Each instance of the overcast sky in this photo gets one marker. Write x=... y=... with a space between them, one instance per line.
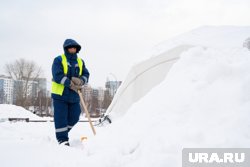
x=114 y=34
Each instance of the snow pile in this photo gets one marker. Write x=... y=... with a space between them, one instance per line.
x=149 y=73
x=203 y=102
x=12 y=111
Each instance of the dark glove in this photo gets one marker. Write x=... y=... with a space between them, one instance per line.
x=77 y=81
x=75 y=87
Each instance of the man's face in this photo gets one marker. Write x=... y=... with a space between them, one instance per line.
x=72 y=50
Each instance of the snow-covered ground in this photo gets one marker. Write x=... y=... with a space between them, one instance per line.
x=203 y=102
x=12 y=111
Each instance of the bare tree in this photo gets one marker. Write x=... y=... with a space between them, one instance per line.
x=22 y=71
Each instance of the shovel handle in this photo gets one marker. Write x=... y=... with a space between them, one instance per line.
x=86 y=112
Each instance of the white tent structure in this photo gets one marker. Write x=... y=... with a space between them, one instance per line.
x=142 y=78
x=149 y=73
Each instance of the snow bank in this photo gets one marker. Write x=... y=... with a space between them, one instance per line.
x=12 y=111
x=203 y=102
x=150 y=73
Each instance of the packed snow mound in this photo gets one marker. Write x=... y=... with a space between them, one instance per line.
x=203 y=102
x=12 y=111
x=149 y=73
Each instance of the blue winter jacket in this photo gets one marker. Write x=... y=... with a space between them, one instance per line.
x=73 y=71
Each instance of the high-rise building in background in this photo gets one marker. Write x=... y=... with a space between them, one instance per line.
x=9 y=88
x=42 y=85
x=112 y=86
x=32 y=89
x=87 y=92
x=100 y=94
x=95 y=93
x=98 y=99
x=6 y=89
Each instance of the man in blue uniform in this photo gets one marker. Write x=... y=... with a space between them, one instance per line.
x=69 y=75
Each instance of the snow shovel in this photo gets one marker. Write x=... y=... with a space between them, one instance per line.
x=87 y=114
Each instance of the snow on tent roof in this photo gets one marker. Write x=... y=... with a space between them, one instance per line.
x=150 y=73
